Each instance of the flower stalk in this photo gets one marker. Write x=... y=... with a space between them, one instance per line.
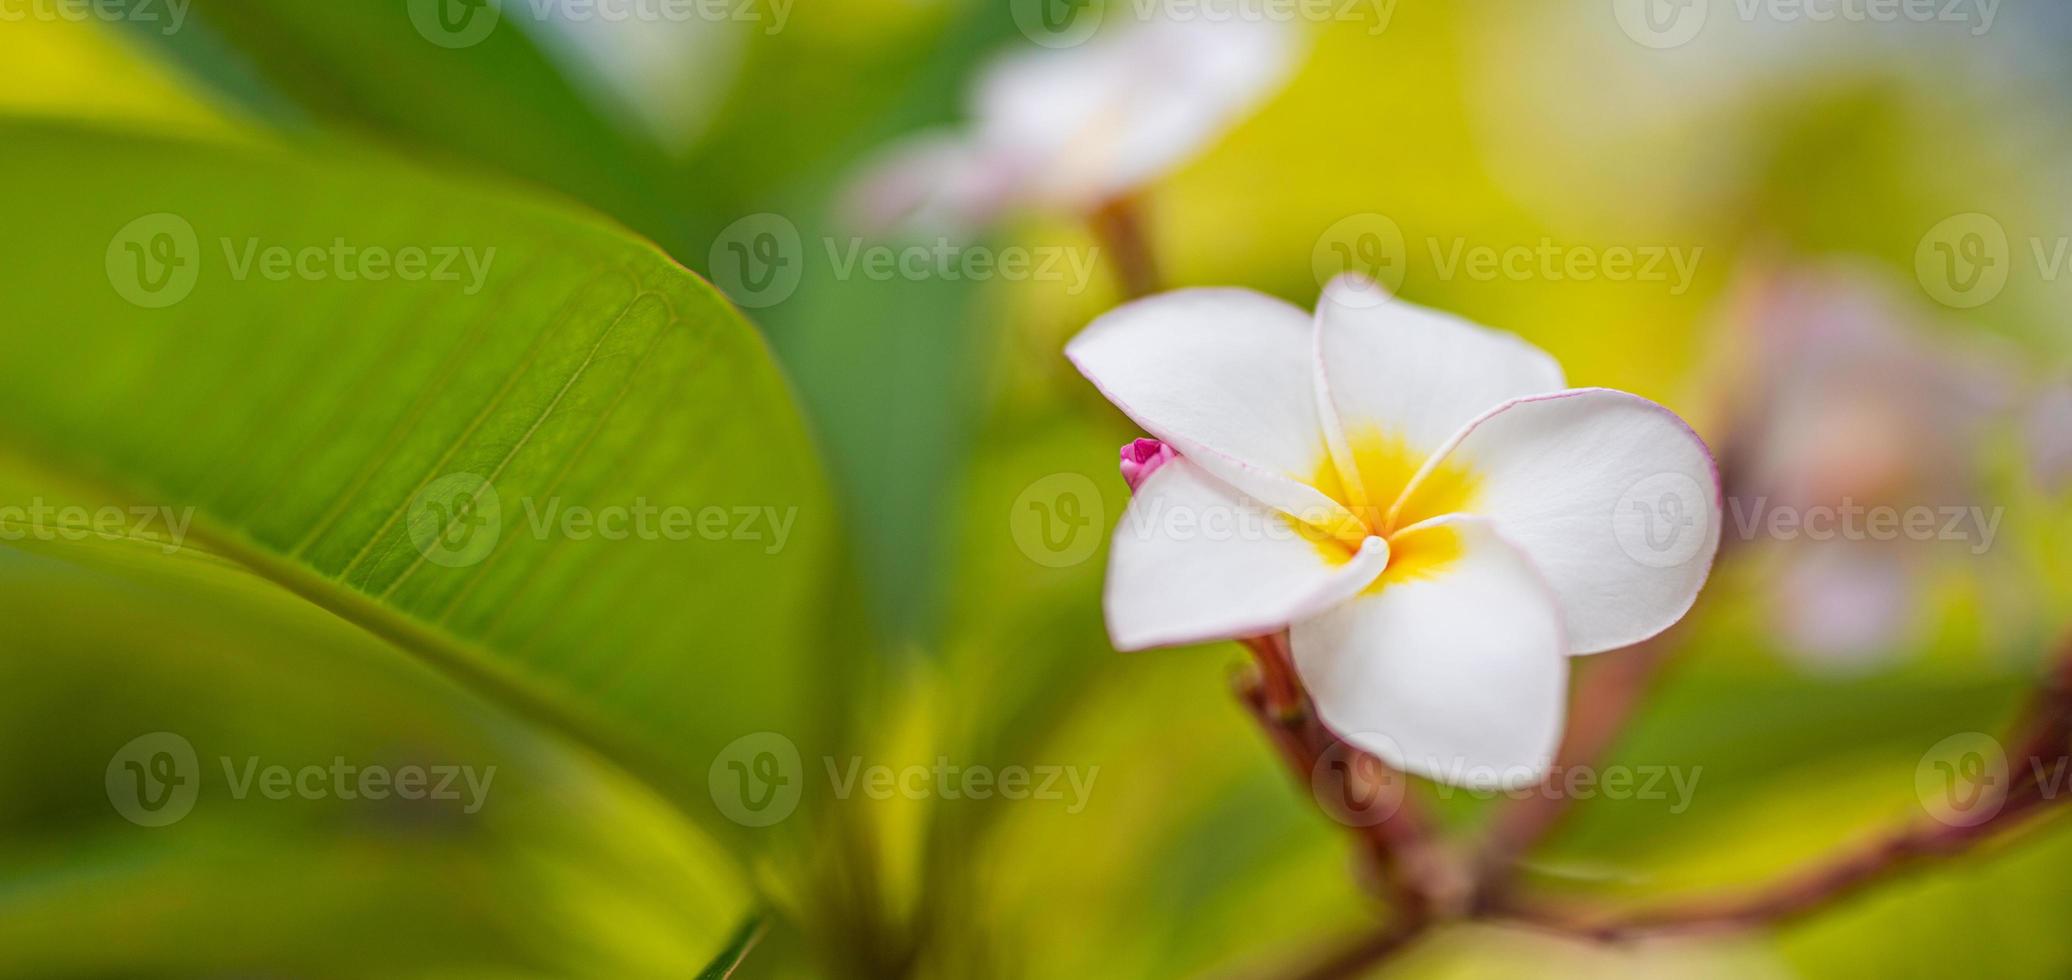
x=1119 y=226
x=2042 y=740
x=1402 y=855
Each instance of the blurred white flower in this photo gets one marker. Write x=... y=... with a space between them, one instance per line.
x=1075 y=128
x=666 y=78
x=1417 y=499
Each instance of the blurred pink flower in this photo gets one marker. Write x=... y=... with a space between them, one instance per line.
x=1850 y=399
x=2050 y=438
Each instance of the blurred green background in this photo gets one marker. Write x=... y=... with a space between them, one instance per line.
x=1803 y=166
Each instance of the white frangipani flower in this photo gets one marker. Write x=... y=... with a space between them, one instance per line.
x=1075 y=128
x=1416 y=499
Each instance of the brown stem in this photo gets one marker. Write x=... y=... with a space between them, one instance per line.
x=2044 y=742
x=1119 y=225
x=1800 y=894
x=2043 y=750
x=1420 y=880
x=1280 y=690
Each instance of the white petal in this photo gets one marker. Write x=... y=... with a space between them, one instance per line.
x=1087 y=124
x=1457 y=674
x=1222 y=375
x=1613 y=498
x=1049 y=116
x=932 y=183
x=1415 y=374
x=1194 y=560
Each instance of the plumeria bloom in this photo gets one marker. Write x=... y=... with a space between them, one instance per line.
x=1073 y=129
x=1433 y=516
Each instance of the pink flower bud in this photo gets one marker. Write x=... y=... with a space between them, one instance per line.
x=1141 y=458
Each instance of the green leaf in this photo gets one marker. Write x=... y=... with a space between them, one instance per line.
x=531 y=861
x=345 y=432
x=738 y=946
x=472 y=88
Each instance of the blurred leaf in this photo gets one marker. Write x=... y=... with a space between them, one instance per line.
x=459 y=80
x=535 y=861
x=328 y=423
x=738 y=945
x=884 y=364
x=882 y=369
x=82 y=71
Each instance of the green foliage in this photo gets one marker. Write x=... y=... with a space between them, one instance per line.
x=313 y=419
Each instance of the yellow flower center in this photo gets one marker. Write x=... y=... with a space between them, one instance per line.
x=1383 y=467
